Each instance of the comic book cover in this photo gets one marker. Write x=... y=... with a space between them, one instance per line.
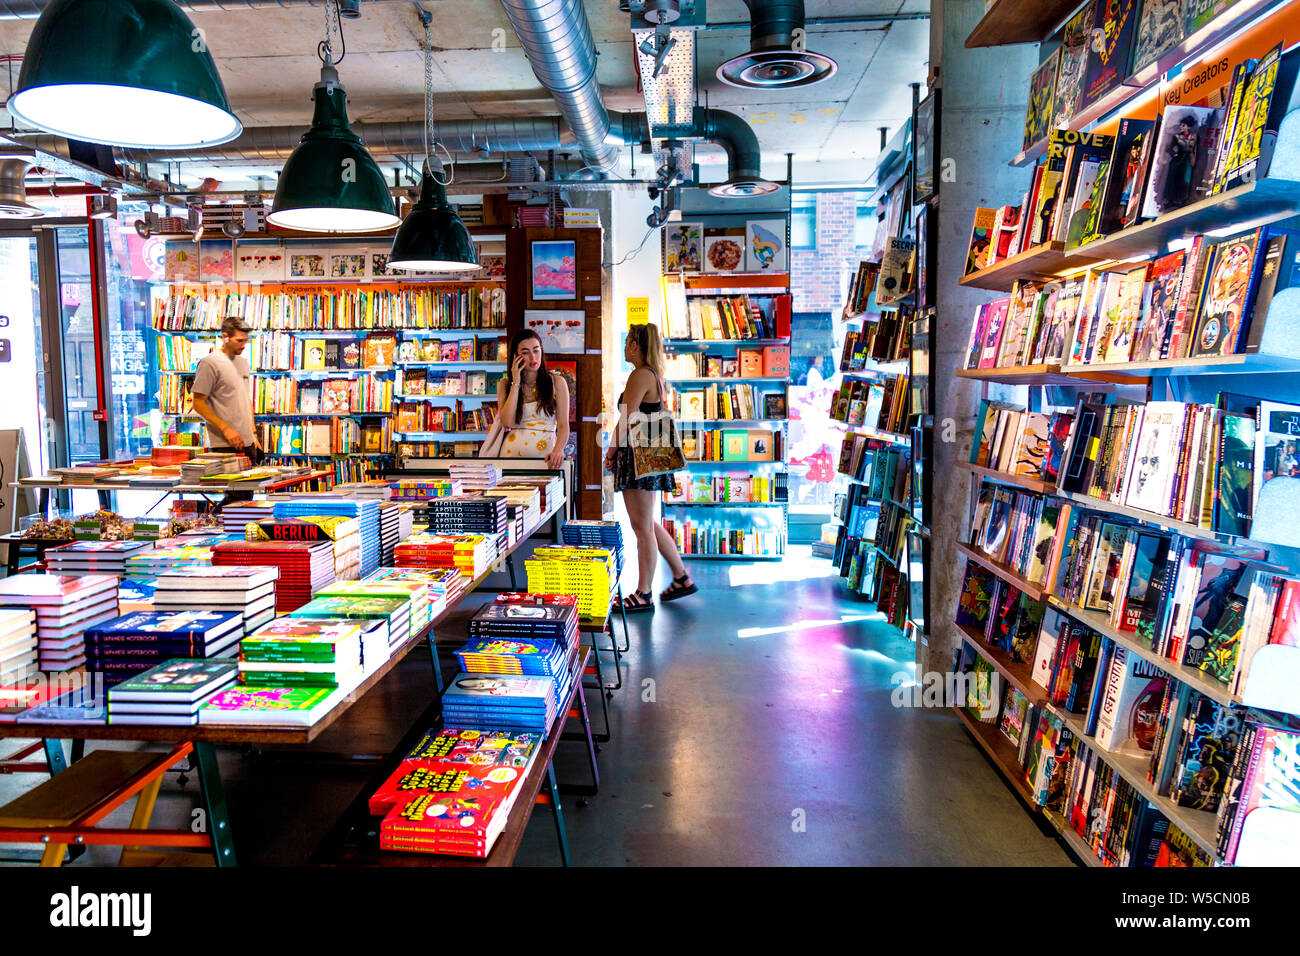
x=1159 y=30
x=1184 y=155
x=1164 y=280
x=1252 y=117
x=1211 y=734
x=976 y=595
x=1225 y=297
x=1042 y=90
x=1108 y=60
x=1073 y=65
x=1218 y=580
x=1233 y=508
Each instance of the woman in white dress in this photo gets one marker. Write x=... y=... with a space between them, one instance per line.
x=532 y=404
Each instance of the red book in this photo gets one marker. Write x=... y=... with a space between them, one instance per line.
x=776 y=361
x=783 y=302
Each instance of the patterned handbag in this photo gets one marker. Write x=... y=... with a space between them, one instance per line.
x=655 y=444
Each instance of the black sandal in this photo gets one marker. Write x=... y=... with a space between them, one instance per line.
x=637 y=601
x=679 y=588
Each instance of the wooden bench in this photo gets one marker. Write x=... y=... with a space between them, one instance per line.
x=66 y=808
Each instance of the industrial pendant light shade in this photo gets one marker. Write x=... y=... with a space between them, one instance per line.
x=432 y=238
x=123 y=73
x=330 y=183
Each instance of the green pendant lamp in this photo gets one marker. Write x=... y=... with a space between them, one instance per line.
x=432 y=238
x=330 y=183
x=131 y=73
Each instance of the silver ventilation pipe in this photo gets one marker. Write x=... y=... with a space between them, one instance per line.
x=556 y=38
x=32 y=9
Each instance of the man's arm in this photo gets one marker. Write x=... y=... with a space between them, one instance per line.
x=203 y=409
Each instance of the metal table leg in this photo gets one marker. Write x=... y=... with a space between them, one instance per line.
x=600 y=687
x=437 y=662
x=583 y=791
x=214 y=802
x=553 y=797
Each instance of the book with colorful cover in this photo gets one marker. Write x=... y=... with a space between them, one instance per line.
x=31 y=590
x=1075 y=45
x=1165 y=282
x=1276 y=446
x=302 y=639
x=1264 y=824
x=1224 y=309
x=1108 y=59
x=191 y=625
x=1159 y=30
x=1014 y=711
x=1252 y=118
x=1042 y=90
x=1211 y=735
x=180 y=680
x=980 y=246
x=250 y=704
x=973 y=604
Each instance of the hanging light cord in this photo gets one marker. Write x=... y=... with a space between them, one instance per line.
x=428 y=110
x=333 y=24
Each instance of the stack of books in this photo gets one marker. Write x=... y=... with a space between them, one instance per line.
x=394 y=611
x=468 y=514
x=136 y=594
x=65 y=606
x=270 y=706
x=365 y=511
x=305 y=567
x=125 y=646
x=588 y=573
x=235 y=517
x=500 y=702
x=93 y=557
x=344 y=532
x=475 y=476
x=417 y=592
x=169 y=694
x=549 y=487
x=589 y=533
x=150 y=564
x=17 y=646
x=530 y=635
x=396 y=522
x=248 y=591
x=294 y=652
x=443 y=585
x=423 y=489
x=378 y=489
x=211 y=463
x=523 y=506
x=454 y=791
x=471 y=554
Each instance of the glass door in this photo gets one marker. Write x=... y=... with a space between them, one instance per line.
x=22 y=363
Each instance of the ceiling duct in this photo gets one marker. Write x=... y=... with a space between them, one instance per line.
x=557 y=41
x=666 y=60
x=777 y=58
x=13 y=192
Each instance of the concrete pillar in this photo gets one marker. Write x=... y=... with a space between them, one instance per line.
x=981 y=121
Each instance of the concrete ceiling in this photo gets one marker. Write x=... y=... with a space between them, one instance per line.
x=268 y=62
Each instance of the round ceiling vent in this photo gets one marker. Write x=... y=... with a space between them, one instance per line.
x=743 y=186
x=777 y=69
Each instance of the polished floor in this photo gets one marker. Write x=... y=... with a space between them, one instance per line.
x=755 y=727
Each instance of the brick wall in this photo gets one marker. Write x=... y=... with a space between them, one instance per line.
x=817 y=276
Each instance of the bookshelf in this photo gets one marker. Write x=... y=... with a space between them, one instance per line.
x=1199 y=663
x=372 y=335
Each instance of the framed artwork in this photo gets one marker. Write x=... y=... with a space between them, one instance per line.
x=181 y=262
x=217 y=260
x=724 y=253
x=683 y=247
x=570 y=372
x=347 y=262
x=925 y=147
x=561 y=330
x=765 y=248
x=259 y=262
x=554 y=270
x=308 y=263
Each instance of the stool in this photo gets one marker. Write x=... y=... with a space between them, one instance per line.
x=65 y=808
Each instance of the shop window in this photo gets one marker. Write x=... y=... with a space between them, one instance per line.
x=803 y=221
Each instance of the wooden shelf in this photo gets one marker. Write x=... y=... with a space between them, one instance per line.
x=1002 y=477
x=1033 y=591
x=1046 y=375
x=1019 y=673
x=1266 y=200
x=1188 y=675
x=999 y=750
x=1019 y=21
x=1038 y=262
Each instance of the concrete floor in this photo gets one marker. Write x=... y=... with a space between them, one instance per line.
x=755 y=727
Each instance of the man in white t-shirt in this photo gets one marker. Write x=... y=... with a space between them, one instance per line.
x=223 y=393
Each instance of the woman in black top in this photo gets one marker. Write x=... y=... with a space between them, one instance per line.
x=645 y=391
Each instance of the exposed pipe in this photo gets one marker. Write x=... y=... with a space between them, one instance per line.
x=557 y=40
x=31 y=9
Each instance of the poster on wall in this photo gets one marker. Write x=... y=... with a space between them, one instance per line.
x=377 y=267
x=724 y=251
x=765 y=249
x=259 y=262
x=217 y=260
x=683 y=250
x=554 y=270
x=308 y=263
x=923 y=145
x=347 y=262
x=570 y=372
x=182 y=262
x=561 y=330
